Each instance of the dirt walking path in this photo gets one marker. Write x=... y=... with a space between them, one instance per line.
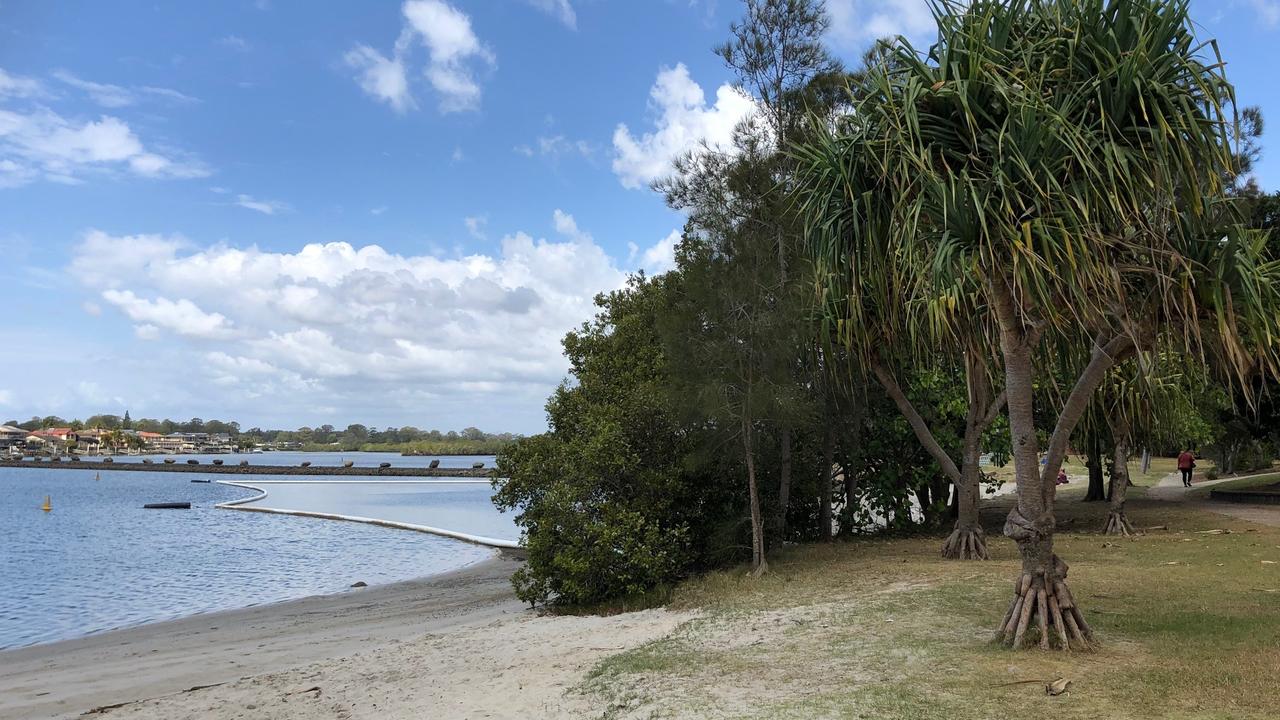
x=1170 y=489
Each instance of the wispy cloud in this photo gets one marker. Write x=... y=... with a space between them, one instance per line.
x=266 y=207
x=40 y=144
x=18 y=86
x=235 y=42
x=116 y=96
x=1268 y=11
x=559 y=9
x=455 y=55
x=476 y=225
x=555 y=147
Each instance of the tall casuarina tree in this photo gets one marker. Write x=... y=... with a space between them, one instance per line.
x=1066 y=161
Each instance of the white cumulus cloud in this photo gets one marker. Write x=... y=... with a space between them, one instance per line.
x=342 y=325
x=661 y=256
x=683 y=120
x=180 y=316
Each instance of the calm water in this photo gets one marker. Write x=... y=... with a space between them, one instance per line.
x=99 y=561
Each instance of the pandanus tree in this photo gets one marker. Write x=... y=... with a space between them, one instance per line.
x=877 y=310
x=1138 y=404
x=1066 y=161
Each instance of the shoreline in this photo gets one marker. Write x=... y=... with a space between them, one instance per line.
x=482 y=473
x=67 y=678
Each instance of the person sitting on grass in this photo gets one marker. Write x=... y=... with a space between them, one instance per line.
x=1186 y=464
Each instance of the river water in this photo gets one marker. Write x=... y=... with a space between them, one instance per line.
x=99 y=561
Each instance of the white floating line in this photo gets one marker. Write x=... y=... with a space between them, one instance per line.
x=368 y=482
x=466 y=537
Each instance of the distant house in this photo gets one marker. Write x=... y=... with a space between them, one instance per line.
x=12 y=437
x=57 y=439
x=174 y=443
x=89 y=442
x=58 y=435
x=150 y=440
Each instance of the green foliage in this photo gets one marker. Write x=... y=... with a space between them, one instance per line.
x=440 y=447
x=611 y=501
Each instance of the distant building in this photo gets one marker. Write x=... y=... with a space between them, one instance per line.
x=188 y=443
x=12 y=437
x=148 y=439
x=89 y=442
x=56 y=439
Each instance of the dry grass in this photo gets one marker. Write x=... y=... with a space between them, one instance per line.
x=878 y=628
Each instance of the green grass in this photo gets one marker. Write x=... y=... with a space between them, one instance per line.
x=879 y=628
x=1245 y=483
x=1074 y=465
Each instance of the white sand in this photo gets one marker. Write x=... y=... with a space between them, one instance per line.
x=454 y=646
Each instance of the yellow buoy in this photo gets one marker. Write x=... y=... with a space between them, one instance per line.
x=47 y=506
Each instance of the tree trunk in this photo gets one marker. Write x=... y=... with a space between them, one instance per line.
x=1041 y=593
x=967 y=540
x=922 y=499
x=825 y=475
x=850 y=497
x=1117 y=522
x=784 y=482
x=1093 y=461
x=759 y=565
x=847 y=459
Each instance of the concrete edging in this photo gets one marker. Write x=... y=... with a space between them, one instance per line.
x=465 y=537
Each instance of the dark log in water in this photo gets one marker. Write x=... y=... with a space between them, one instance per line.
x=167 y=506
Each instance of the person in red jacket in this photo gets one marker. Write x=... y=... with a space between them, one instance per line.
x=1186 y=463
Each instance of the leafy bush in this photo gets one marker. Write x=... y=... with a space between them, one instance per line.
x=611 y=503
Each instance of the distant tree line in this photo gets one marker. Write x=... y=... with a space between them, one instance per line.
x=468 y=441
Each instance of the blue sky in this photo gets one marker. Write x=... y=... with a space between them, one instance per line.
x=294 y=213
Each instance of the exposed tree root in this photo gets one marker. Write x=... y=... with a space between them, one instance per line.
x=1118 y=524
x=966 y=543
x=1043 y=602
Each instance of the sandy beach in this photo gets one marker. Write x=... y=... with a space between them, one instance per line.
x=456 y=645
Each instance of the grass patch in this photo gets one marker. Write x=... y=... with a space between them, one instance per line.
x=885 y=628
x=1075 y=469
x=1245 y=483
